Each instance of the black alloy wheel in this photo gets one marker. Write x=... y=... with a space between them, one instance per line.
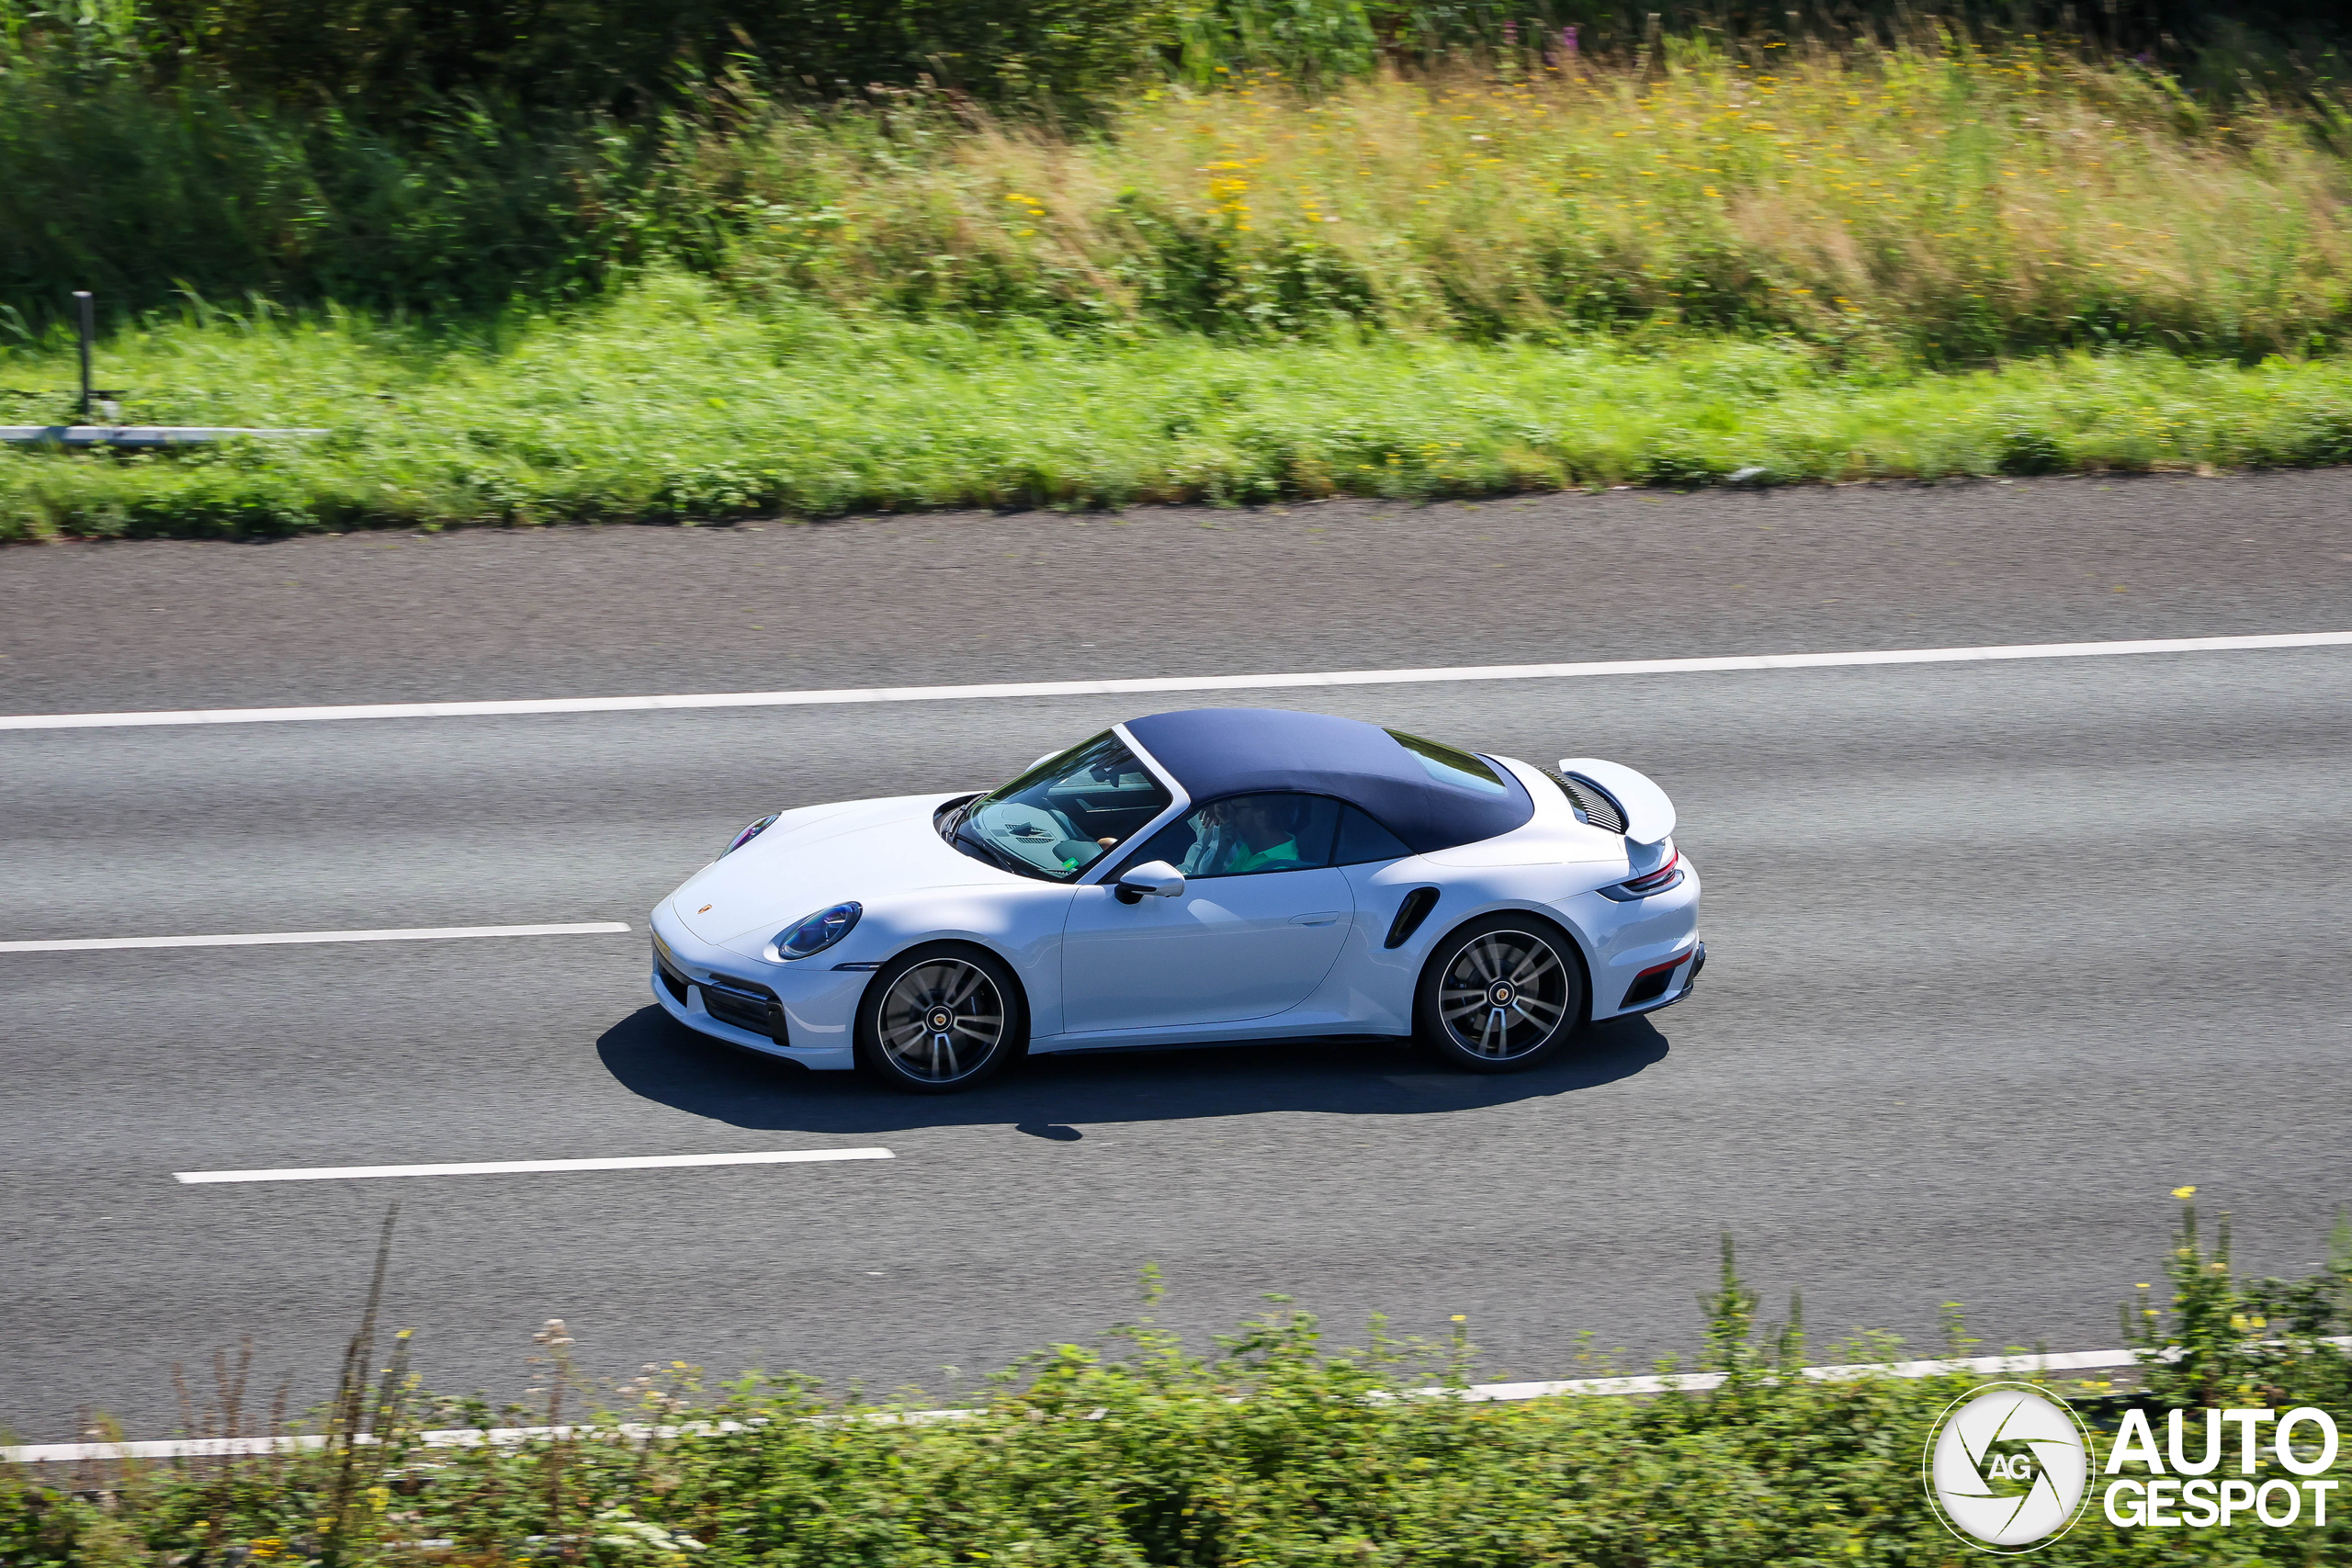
x=940 y=1019
x=1501 y=993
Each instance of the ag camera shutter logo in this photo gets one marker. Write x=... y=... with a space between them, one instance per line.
x=2008 y=1468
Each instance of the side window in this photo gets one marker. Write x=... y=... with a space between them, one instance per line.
x=1245 y=835
x=1362 y=840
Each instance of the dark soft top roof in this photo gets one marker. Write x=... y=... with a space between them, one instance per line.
x=1221 y=752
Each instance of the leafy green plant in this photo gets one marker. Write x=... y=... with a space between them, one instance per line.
x=2222 y=1340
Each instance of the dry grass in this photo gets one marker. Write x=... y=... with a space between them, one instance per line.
x=1950 y=204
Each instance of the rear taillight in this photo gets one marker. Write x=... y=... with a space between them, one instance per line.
x=1649 y=882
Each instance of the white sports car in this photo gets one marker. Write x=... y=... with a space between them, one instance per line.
x=1217 y=874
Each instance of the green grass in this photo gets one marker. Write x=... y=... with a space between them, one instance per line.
x=673 y=401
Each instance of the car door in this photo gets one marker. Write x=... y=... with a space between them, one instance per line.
x=1258 y=925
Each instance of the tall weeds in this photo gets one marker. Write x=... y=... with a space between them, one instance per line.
x=1937 y=203
x=1944 y=205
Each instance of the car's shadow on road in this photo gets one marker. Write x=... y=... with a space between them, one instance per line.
x=1057 y=1097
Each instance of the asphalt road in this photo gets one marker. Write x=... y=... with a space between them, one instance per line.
x=2000 y=952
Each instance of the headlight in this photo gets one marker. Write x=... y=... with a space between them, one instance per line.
x=818 y=931
x=748 y=834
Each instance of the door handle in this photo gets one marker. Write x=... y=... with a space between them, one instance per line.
x=1314 y=919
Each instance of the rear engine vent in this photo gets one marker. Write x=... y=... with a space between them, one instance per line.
x=1592 y=803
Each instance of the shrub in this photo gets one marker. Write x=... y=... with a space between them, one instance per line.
x=1274 y=1450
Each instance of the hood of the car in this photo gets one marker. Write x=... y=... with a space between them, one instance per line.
x=822 y=855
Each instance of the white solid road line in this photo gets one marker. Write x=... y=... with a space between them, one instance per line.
x=515 y=1436
x=517 y=1167
x=1181 y=682
x=267 y=938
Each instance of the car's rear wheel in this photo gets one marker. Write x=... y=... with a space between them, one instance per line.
x=1502 y=993
x=940 y=1019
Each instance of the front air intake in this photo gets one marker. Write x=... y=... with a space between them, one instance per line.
x=746 y=1004
x=1592 y=803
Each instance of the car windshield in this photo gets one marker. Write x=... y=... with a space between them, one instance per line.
x=1064 y=814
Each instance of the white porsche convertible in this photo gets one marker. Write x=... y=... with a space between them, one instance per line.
x=1215 y=874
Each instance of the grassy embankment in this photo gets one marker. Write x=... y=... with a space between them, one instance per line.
x=1277 y=1451
x=1894 y=263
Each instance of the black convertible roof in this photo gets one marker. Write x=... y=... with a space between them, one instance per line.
x=1221 y=752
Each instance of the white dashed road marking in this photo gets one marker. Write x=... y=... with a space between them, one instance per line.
x=521 y=1167
x=269 y=939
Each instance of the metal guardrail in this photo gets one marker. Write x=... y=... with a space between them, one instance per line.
x=100 y=399
x=79 y=436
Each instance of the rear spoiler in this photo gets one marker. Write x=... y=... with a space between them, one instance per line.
x=1649 y=815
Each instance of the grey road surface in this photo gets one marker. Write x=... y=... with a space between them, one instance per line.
x=2001 y=953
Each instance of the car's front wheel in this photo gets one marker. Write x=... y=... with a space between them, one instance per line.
x=940 y=1019
x=1501 y=993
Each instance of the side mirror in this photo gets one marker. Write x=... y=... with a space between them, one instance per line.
x=1155 y=878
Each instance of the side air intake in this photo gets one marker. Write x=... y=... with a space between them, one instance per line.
x=1409 y=916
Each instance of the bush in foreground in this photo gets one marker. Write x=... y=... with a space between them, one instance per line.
x=1273 y=1452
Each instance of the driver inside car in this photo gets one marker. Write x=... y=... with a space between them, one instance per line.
x=1234 y=838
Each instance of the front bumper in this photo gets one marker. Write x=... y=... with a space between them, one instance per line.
x=794 y=1012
